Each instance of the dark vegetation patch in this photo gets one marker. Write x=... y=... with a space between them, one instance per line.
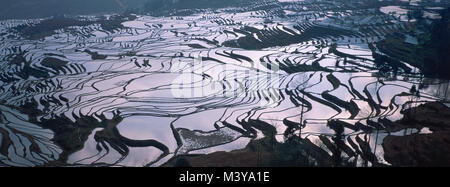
x=95 y=55
x=196 y=46
x=5 y=141
x=276 y=37
x=115 y=22
x=17 y=59
x=187 y=7
x=25 y=70
x=52 y=62
x=430 y=55
x=386 y=63
x=333 y=49
x=48 y=27
x=25 y=9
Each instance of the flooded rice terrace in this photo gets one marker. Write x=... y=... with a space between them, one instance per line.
x=155 y=87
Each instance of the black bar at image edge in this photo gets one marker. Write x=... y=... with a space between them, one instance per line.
x=213 y=176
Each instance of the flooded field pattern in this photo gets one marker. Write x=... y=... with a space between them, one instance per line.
x=215 y=80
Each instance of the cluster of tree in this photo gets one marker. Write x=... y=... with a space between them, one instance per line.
x=155 y=5
x=430 y=55
x=49 y=26
x=440 y=43
x=22 y=9
x=415 y=14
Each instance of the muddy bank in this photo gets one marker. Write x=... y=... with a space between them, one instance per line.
x=418 y=149
x=265 y=152
x=432 y=149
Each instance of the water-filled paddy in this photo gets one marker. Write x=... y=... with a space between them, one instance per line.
x=209 y=82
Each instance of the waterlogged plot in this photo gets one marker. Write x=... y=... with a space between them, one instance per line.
x=24 y=143
x=151 y=88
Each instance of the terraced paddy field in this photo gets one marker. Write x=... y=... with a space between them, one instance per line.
x=271 y=83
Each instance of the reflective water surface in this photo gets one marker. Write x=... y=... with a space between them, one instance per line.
x=198 y=84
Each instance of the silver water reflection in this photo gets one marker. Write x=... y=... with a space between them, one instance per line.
x=172 y=81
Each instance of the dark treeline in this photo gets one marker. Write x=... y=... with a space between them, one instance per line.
x=430 y=55
x=440 y=40
x=21 y=9
x=155 y=5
